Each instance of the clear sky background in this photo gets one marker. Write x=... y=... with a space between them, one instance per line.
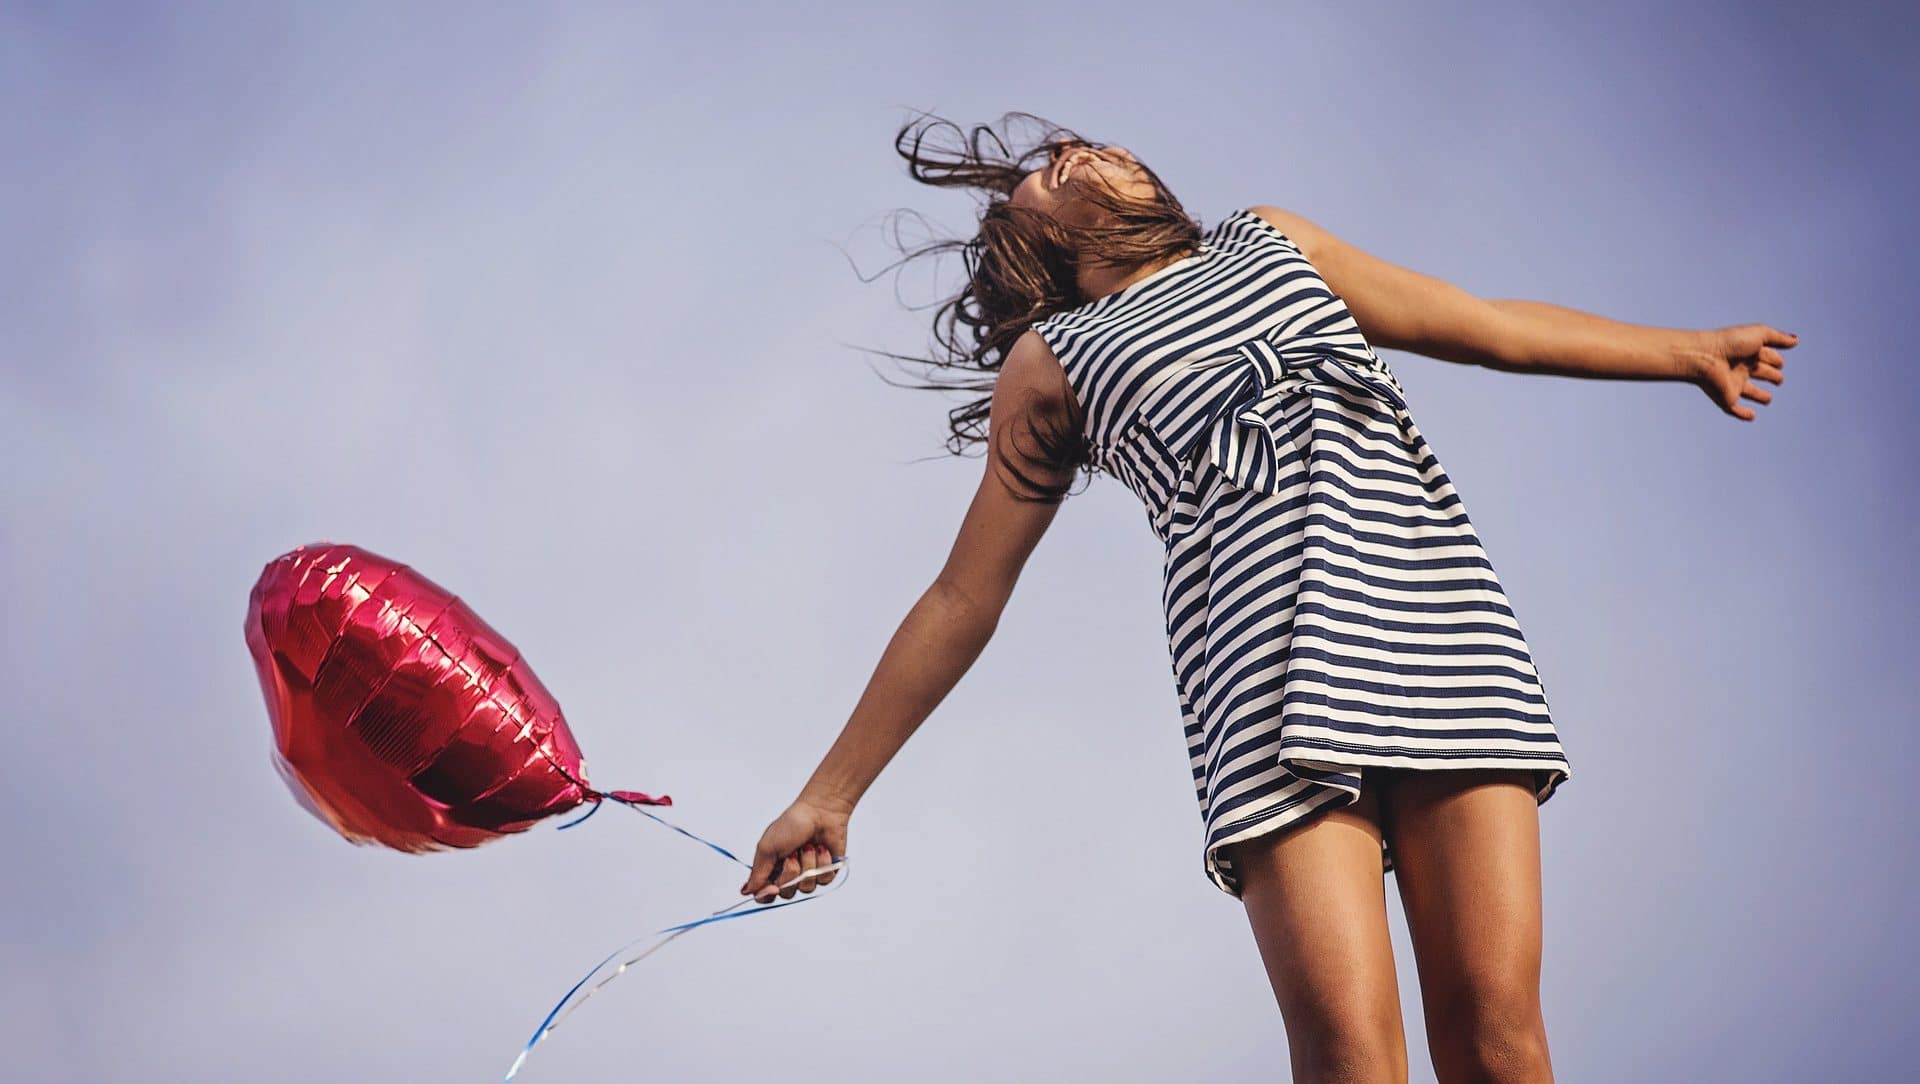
x=563 y=309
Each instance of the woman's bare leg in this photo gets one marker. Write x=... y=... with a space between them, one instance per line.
x=1466 y=854
x=1316 y=899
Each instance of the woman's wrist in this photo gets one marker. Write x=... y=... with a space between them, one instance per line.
x=1690 y=355
x=827 y=795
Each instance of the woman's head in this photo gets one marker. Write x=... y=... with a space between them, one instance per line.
x=1055 y=205
x=1057 y=186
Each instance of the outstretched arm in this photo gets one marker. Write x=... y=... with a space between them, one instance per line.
x=942 y=634
x=953 y=621
x=1403 y=309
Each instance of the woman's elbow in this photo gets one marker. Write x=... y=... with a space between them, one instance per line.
x=974 y=605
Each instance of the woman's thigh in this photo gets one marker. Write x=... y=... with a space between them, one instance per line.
x=1466 y=856
x=1316 y=898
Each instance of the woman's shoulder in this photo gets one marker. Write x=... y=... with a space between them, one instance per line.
x=1058 y=329
x=1032 y=378
x=1031 y=362
x=1295 y=229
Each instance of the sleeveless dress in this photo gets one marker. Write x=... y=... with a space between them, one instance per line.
x=1328 y=605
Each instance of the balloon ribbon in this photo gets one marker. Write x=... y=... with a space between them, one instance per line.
x=625 y=954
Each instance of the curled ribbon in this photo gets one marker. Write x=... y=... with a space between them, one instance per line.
x=627 y=954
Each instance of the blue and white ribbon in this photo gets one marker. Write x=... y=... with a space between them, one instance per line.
x=632 y=952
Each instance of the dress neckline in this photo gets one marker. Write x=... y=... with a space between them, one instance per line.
x=1203 y=248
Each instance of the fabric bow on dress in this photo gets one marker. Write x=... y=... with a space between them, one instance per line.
x=1249 y=413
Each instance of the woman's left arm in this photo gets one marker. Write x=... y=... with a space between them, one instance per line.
x=1401 y=309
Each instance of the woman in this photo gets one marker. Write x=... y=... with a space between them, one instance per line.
x=1356 y=693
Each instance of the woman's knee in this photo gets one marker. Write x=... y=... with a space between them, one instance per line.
x=1491 y=1032
x=1338 y=1039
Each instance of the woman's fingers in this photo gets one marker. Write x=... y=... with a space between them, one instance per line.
x=763 y=890
x=1766 y=365
x=802 y=862
x=768 y=872
x=785 y=876
x=804 y=838
x=772 y=873
x=788 y=873
x=775 y=879
x=762 y=869
x=1749 y=354
x=811 y=860
x=823 y=857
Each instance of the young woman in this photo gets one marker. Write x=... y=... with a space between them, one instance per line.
x=1356 y=693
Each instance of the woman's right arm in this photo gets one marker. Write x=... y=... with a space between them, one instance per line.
x=942 y=634
x=1402 y=309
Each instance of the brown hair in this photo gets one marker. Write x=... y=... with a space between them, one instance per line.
x=1021 y=268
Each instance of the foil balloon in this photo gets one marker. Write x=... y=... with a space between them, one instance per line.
x=399 y=716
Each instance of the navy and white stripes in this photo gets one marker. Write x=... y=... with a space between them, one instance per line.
x=1328 y=604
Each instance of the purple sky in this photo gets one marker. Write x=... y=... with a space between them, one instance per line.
x=555 y=308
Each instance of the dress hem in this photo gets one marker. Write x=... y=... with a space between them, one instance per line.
x=1291 y=806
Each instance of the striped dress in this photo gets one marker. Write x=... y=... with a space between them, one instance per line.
x=1328 y=605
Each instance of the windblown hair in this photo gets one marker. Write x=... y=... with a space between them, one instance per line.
x=1021 y=268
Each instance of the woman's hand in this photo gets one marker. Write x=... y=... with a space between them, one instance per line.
x=1725 y=363
x=808 y=835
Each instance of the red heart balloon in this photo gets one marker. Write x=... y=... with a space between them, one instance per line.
x=399 y=716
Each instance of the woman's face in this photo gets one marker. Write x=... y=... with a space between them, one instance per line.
x=1052 y=187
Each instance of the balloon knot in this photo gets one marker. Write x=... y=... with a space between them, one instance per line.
x=634 y=797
